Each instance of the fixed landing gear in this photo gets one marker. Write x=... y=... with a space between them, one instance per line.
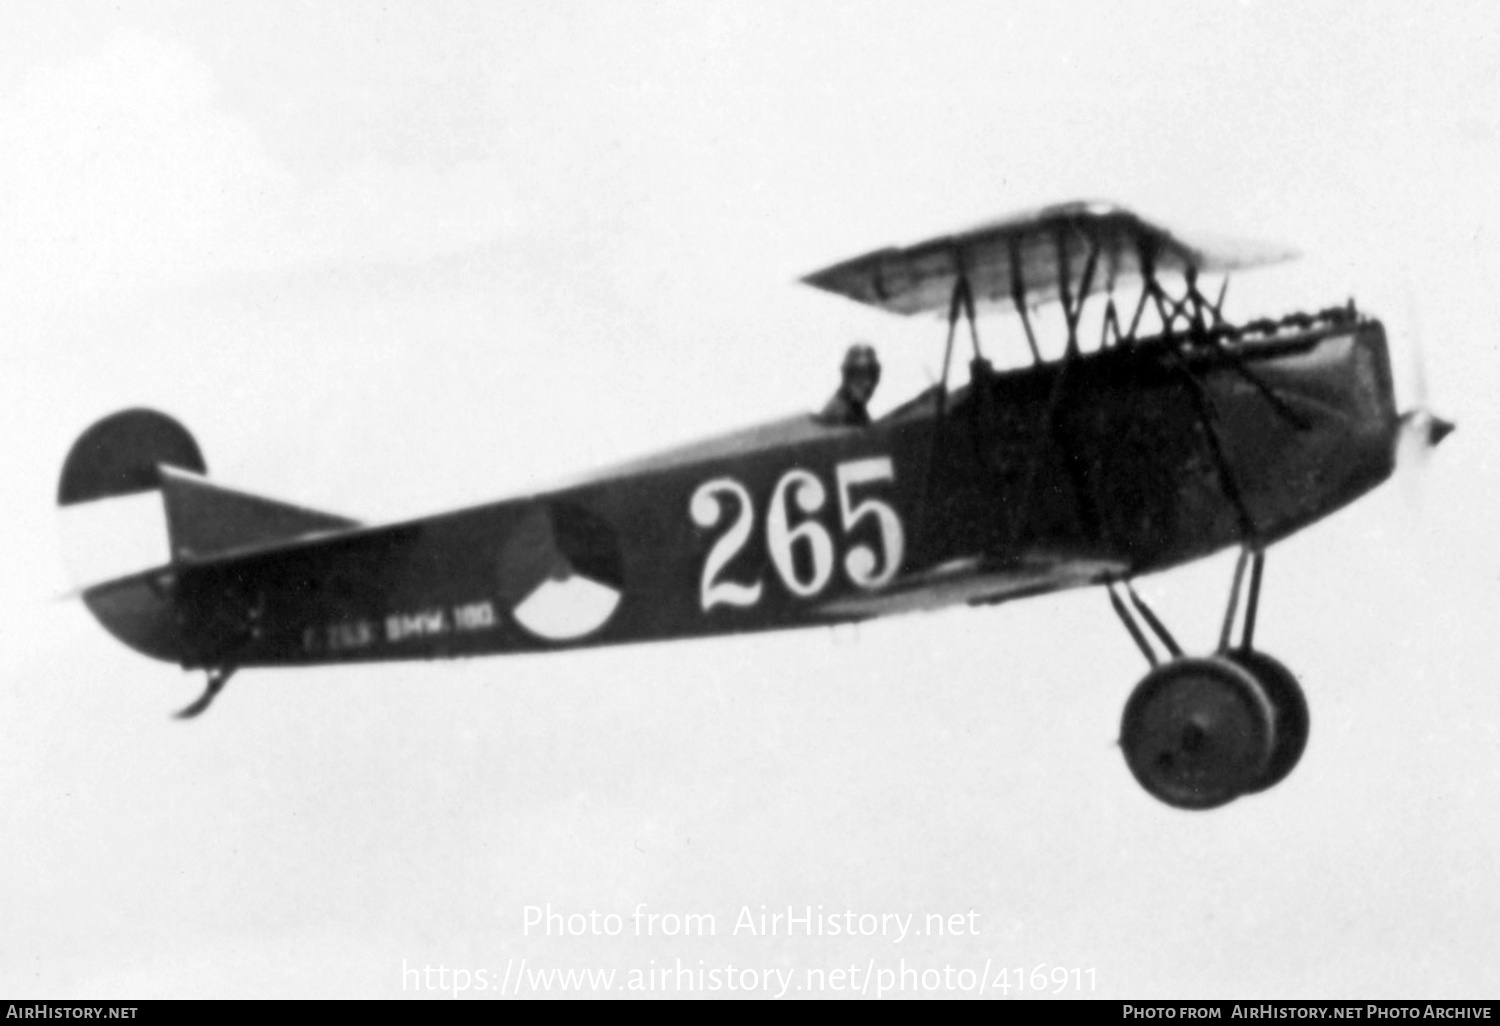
x=1199 y=732
x=1289 y=714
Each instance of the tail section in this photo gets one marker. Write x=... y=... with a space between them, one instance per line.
x=136 y=506
x=205 y=519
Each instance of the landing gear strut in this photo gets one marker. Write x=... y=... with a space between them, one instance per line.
x=1199 y=732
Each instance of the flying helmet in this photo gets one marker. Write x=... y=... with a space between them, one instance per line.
x=861 y=357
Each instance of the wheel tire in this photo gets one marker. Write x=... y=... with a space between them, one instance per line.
x=1289 y=711
x=1198 y=733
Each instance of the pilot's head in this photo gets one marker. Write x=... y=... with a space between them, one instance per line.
x=861 y=373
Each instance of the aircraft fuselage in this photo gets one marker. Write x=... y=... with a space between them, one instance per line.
x=1139 y=459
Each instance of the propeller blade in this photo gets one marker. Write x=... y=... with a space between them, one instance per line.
x=1437 y=430
x=1420 y=429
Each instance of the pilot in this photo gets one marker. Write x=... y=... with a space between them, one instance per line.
x=861 y=375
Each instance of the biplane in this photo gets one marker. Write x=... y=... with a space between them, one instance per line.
x=1159 y=434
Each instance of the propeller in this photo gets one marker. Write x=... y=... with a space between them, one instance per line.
x=1419 y=429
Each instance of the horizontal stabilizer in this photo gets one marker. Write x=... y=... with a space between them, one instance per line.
x=205 y=519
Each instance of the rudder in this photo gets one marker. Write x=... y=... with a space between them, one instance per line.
x=113 y=519
x=121 y=454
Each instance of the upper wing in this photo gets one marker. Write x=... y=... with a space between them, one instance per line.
x=1041 y=251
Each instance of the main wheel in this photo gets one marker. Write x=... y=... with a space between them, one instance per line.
x=1288 y=709
x=1198 y=733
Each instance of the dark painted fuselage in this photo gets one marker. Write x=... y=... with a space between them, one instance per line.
x=1140 y=458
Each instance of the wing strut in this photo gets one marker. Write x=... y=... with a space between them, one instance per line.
x=1072 y=312
x=961 y=302
x=1018 y=297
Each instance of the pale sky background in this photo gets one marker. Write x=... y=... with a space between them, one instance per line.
x=389 y=259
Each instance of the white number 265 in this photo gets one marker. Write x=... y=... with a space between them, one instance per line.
x=803 y=489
